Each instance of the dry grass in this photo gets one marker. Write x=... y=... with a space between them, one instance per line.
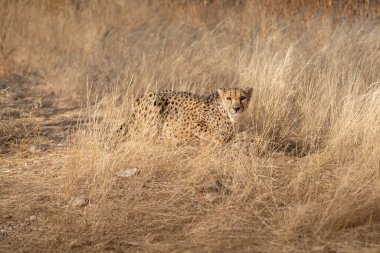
x=303 y=175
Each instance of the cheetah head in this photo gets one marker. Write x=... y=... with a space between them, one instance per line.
x=235 y=100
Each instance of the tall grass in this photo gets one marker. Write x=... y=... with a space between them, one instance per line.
x=303 y=172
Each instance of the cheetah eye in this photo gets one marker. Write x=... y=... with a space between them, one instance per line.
x=228 y=98
x=242 y=98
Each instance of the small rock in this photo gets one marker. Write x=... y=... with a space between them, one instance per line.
x=3 y=232
x=212 y=196
x=127 y=172
x=43 y=198
x=317 y=249
x=323 y=249
x=78 y=202
x=37 y=148
x=328 y=249
x=33 y=218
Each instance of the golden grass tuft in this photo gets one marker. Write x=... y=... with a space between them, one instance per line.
x=303 y=175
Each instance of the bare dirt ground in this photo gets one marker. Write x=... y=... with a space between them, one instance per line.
x=35 y=111
x=35 y=125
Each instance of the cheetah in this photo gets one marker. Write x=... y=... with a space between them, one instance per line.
x=186 y=117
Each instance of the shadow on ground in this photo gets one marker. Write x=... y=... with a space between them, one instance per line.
x=30 y=110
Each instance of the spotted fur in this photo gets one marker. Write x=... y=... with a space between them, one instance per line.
x=184 y=116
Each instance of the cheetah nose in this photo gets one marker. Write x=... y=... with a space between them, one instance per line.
x=237 y=108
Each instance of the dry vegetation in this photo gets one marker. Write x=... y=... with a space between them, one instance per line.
x=303 y=175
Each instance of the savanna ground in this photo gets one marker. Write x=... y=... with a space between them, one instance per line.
x=303 y=174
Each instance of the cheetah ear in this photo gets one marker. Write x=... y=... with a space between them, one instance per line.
x=249 y=91
x=221 y=92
